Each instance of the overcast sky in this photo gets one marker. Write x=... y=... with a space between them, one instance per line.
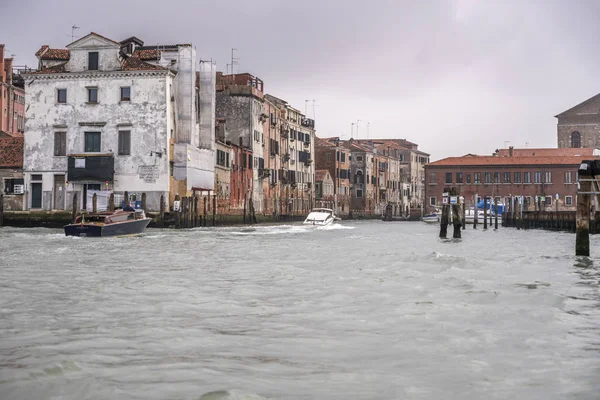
x=456 y=76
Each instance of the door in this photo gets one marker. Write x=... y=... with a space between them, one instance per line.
x=59 y=192
x=36 y=195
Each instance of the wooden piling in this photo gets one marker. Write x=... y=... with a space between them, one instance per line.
x=475 y=219
x=177 y=213
x=582 y=238
x=214 y=209
x=456 y=215
x=496 y=214
x=144 y=201
x=1 y=209
x=195 y=211
x=444 y=219
x=463 y=209
x=111 y=202
x=484 y=212
x=162 y=210
x=204 y=215
x=125 y=199
x=74 y=212
x=94 y=203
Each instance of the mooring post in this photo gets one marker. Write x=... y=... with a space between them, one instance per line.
x=475 y=212
x=456 y=214
x=1 y=208
x=496 y=214
x=125 y=199
x=177 y=211
x=214 y=209
x=462 y=208
x=74 y=212
x=582 y=238
x=94 y=203
x=484 y=212
x=204 y=216
x=111 y=202
x=445 y=211
x=144 y=201
x=162 y=210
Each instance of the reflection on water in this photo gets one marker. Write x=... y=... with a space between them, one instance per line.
x=361 y=310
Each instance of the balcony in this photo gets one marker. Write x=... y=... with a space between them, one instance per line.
x=91 y=167
x=264 y=173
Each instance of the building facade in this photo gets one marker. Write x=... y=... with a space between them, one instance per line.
x=332 y=156
x=12 y=184
x=106 y=117
x=579 y=126
x=547 y=182
x=324 y=189
x=12 y=99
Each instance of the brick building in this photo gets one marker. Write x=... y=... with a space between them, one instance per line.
x=579 y=126
x=548 y=174
x=12 y=99
x=333 y=157
x=324 y=191
x=11 y=172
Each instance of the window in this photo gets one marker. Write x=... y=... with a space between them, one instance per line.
x=93 y=60
x=548 y=177
x=537 y=177
x=477 y=178
x=507 y=177
x=328 y=156
x=92 y=95
x=568 y=177
x=126 y=93
x=448 y=177
x=36 y=177
x=459 y=177
x=487 y=177
x=575 y=140
x=468 y=178
x=14 y=186
x=568 y=200
x=124 y=143
x=517 y=177
x=60 y=143
x=61 y=95
x=343 y=157
x=432 y=177
x=359 y=193
x=432 y=201
x=526 y=177
x=92 y=142
x=359 y=158
x=496 y=177
x=548 y=200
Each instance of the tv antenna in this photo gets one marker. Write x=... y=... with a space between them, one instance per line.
x=352 y=129
x=314 y=116
x=368 y=125
x=73 y=28
x=306 y=108
x=357 y=121
x=506 y=142
x=234 y=60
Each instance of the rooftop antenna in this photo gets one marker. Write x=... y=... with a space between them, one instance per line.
x=506 y=142
x=306 y=108
x=227 y=68
x=526 y=144
x=314 y=117
x=233 y=61
x=368 y=125
x=357 y=121
x=73 y=32
x=352 y=129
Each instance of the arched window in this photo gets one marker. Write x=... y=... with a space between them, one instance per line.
x=358 y=178
x=575 y=140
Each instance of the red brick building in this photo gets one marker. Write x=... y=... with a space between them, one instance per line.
x=12 y=99
x=548 y=174
x=241 y=179
x=332 y=156
x=11 y=172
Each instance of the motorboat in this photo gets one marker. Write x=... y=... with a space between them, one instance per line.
x=320 y=217
x=115 y=223
x=432 y=218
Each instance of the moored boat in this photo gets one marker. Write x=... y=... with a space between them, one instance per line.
x=115 y=223
x=320 y=217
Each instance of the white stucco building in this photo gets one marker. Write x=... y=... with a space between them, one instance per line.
x=118 y=116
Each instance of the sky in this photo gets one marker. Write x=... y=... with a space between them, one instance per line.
x=454 y=76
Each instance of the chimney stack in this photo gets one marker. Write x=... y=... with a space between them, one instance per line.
x=2 y=63
x=8 y=62
x=510 y=151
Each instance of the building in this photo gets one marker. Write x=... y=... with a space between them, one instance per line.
x=272 y=159
x=223 y=163
x=11 y=172
x=547 y=178
x=12 y=99
x=324 y=189
x=241 y=180
x=362 y=170
x=579 y=126
x=106 y=116
x=331 y=155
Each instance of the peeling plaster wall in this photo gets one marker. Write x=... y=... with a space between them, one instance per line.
x=146 y=116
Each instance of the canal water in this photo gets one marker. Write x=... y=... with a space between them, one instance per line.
x=361 y=310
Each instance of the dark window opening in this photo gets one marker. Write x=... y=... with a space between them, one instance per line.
x=125 y=93
x=124 y=143
x=93 y=61
x=61 y=95
x=92 y=142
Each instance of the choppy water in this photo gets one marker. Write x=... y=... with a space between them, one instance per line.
x=359 y=311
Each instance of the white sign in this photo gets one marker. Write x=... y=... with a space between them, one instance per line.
x=149 y=173
x=453 y=200
x=445 y=194
x=18 y=189
x=80 y=163
x=176 y=205
x=444 y=200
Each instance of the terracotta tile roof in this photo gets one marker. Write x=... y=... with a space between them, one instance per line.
x=8 y=135
x=42 y=49
x=135 y=64
x=147 y=54
x=323 y=143
x=11 y=152
x=546 y=152
x=320 y=175
x=46 y=53
x=507 y=161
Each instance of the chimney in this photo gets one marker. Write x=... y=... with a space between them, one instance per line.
x=8 y=62
x=510 y=151
x=2 y=63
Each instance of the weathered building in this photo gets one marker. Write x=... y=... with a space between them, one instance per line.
x=12 y=99
x=324 y=189
x=118 y=116
x=362 y=168
x=271 y=164
x=11 y=172
x=332 y=156
x=550 y=177
x=579 y=126
x=241 y=180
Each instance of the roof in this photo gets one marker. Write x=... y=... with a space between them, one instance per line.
x=321 y=174
x=323 y=143
x=146 y=54
x=95 y=34
x=507 y=161
x=11 y=152
x=46 y=53
x=133 y=39
x=57 y=69
x=590 y=100
x=546 y=152
x=135 y=64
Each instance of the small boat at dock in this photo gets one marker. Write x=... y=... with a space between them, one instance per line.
x=115 y=223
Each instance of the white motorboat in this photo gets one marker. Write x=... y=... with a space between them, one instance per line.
x=432 y=218
x=320 y=217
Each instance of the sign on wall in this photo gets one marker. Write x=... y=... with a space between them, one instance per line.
x=149 y=173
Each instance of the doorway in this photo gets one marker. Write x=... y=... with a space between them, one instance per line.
x=59 y=192
x=36 y=195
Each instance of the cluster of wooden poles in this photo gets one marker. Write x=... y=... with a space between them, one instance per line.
x=455 y=214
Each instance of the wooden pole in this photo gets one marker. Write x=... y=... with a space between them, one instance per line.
x=444 y=219
x=463 y=209
x=484 y=212
x=456 y=220
x=111 y=202
x=214 y=209
x=144 y=201
x=125 y=199
x=75 y=205
x=475 y=219
x=1 y=209
x=94 y=203
x=162 y=209
x=177 y=213
x=582 y=238
x=204 y=216
x=496 y=214
x=195 y=211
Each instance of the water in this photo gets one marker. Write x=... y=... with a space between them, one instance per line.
x=364 y=310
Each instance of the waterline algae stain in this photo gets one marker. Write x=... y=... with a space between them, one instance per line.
x=360 y=310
